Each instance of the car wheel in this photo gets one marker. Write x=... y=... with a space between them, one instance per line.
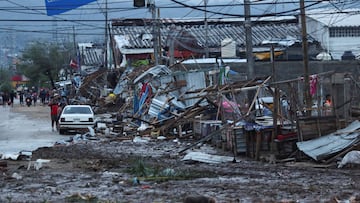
x=61 y=131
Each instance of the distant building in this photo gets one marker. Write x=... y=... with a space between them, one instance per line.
x=19 y=80
x=338 y=31
x=91 y=54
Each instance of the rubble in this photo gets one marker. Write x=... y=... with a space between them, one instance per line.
x=206 y=105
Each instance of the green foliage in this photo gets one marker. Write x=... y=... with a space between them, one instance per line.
x=140 y=169
x=5 y=83
x=140 y=63
x=41 y=61
x=6 y=87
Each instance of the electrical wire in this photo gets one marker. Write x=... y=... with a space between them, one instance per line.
x=241 y=16
x=63 y=19
x=89 y=22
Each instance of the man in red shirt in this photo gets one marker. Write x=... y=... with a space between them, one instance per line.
x=54 y=106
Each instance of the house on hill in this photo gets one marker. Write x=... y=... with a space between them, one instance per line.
x=132 y=39
x=337 y=30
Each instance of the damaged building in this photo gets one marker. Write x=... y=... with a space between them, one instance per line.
x=212 y=100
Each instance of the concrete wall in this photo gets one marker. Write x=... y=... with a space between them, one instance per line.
x=286 y=70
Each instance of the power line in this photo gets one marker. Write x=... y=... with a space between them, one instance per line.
x=44 y=14
x=241 y=16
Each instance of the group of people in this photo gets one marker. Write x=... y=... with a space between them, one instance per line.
x=55 y=99
x=8 y=98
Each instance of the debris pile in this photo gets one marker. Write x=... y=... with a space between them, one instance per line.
x=203 y=104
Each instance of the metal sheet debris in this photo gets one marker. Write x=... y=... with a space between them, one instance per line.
x=328 y=145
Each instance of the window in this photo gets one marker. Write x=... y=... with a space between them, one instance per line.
x=344 y=32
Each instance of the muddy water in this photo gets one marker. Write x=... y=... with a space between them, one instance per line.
x=25 y=128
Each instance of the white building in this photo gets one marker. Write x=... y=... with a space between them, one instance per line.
x=336 y=30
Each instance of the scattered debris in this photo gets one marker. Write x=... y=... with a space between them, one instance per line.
x=38 y=164
x=14 y=156
x=352 y=157
x=198 y=199
x=16 y=176
x=325 y=146
x=207 y=158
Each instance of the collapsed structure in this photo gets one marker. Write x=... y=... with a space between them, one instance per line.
x=212 y=99
x=220 y=106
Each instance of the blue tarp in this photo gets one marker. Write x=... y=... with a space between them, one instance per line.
x=54 y=7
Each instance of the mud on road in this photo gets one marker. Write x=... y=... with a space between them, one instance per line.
x=120 y=170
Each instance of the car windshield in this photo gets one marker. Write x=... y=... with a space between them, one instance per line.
x=77 y=110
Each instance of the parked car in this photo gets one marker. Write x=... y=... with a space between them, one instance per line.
x=76 y=117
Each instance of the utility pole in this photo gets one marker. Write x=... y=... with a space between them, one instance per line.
x=308 y=101
x=248 y=36
x=106 y=35
x=155 y=35
x=158 y=36
x=74 y=38
x=76 y=54
x=206 y=32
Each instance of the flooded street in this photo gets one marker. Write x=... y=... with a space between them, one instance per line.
x=25 y=128
x=113 y=169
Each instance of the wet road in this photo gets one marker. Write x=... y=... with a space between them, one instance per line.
x=25 y=129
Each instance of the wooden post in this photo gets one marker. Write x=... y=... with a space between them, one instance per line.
x=258 y=145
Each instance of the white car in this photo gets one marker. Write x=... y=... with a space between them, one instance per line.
x=76 y=117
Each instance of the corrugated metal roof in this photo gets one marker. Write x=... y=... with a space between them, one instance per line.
x=331 y=144
x=91 y=54
x=335 y=17
x=137 y=32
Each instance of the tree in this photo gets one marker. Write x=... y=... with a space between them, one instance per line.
x=5 y=84
x=41 y=62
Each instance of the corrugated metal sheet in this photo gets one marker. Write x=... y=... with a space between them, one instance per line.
x=138 y=36
x=331 y=144
x=194 y=81
x=91 y=54
x=154 y=72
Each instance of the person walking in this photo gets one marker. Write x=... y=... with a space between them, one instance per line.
x=12 y=97
x=5 y=98
x=54 y=108
x=21 y=98
x=42 y=96
x=34 y=96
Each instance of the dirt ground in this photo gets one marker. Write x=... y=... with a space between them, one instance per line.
x=112 y=169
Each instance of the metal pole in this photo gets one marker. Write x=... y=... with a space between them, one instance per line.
x=106 y=35
x=158 y=34
x=206 y=32
x=248 y=35
x=275 y=100
x=155 y=36
x=305 y=59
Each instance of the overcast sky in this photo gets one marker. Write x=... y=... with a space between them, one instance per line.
x=27 y=19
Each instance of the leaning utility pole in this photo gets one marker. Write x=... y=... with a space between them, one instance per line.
x=106 y=35
x=308 y=101
x=248 y=36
